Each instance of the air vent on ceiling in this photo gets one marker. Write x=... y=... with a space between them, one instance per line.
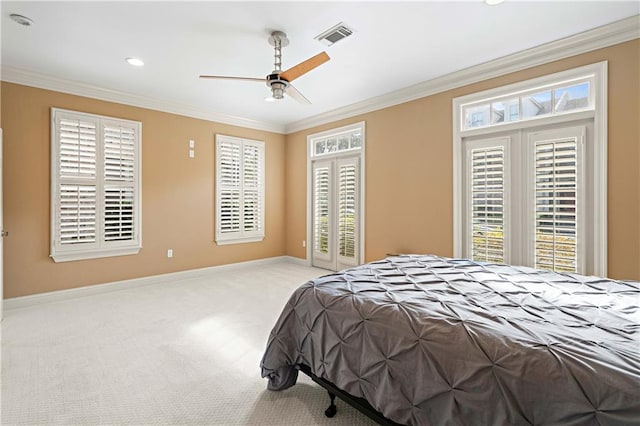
x=334 y=34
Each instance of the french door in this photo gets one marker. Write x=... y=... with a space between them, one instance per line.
x=335 y=213
x=527 y=198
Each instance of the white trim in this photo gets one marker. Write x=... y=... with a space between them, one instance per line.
x=43 y=81
x=600 y=123
x=241 y=235
x=504 y=142
x=526 y=124
x=597 y=38
x=360 y=125
x=583 y=73
x=599 y=164
x=1 y=231
x=296 y=260
x=94 y=254
x=63 y=295
x=226 y=242
x=101 y=247
x=552 y=135
x=338 y=130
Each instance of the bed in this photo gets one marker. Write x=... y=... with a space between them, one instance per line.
x=427 y=340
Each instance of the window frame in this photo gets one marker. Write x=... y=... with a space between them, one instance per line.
x=535 y=138
x=312 y=157
x=100 y=248
x=240 y=236
x=505 y=144
x=597 y=168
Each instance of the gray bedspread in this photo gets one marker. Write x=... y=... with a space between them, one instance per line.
x=436 y=341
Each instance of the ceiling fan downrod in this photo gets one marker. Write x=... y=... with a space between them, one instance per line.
x=278 y=40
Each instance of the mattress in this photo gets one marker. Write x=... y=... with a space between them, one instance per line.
x=428 y=340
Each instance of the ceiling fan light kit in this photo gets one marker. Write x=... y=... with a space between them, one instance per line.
x=278 y=81
x=25 y=21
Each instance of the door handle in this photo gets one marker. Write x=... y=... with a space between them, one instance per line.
x=4 y=233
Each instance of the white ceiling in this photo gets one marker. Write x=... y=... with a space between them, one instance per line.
x=395 y=45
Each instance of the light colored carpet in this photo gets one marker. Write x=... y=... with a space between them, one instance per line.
x=183 y=352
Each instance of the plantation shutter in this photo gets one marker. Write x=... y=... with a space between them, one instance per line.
x=77 y=214
x=252 y=201
x=321 y=208
x=119 y=176
x=229 y=182
x=95 y=186
x=347 y=204
x=76 y=221
x=240 y=190
x=557 y=201
x=487 y=202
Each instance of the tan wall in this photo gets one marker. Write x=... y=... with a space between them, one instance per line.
x=408 y=187
x=177 y=195
x=409 y=183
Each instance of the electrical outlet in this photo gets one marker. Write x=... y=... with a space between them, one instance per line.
x=170 y=253
x=304 y=243
x=192 y=153
x=192 y=144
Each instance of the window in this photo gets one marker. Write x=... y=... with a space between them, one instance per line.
x=533 y=192
x=348 y=139
x=239 y=190
x=335 y=197
x=95 y=186
x=576 y=94
x=557 y=184
x=487 y=185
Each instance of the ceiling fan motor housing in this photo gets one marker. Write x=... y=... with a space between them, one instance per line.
x=277 y=85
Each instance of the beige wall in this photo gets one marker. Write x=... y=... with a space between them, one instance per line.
x=177 y=195
x=409 y=184
x=408 y=188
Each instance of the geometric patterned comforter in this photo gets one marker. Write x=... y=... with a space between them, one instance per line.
x=433 y=341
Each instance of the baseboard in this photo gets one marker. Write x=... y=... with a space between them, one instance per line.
x=61 y=295
x=297 y=261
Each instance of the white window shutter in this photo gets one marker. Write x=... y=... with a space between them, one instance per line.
x=239 y=190
x=76 y=182
x=347 y=205
x=253 y=174
x=119 y=224
x=77 y=148
x=487 y=189
x=229 y=182
x=119 y=153
x=557 y=208
x=95 y=186
x=321 y=208
x=77 y=223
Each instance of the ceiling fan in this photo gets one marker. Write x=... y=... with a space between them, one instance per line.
x=280 y=81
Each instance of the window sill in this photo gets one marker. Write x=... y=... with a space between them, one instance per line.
x=229 y=241
x=94 y=254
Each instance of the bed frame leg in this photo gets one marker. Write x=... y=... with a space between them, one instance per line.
x=331 y=411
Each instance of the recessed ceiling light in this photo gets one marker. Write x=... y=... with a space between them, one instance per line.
x=135 y=62
x=493 y=2
x=22 y=20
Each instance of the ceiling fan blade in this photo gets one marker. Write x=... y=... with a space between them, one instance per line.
x=304 y=67
x=262 y=80
x=293 y=92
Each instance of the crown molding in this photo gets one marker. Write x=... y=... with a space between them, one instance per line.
x=598 y=38
x=43 y=81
